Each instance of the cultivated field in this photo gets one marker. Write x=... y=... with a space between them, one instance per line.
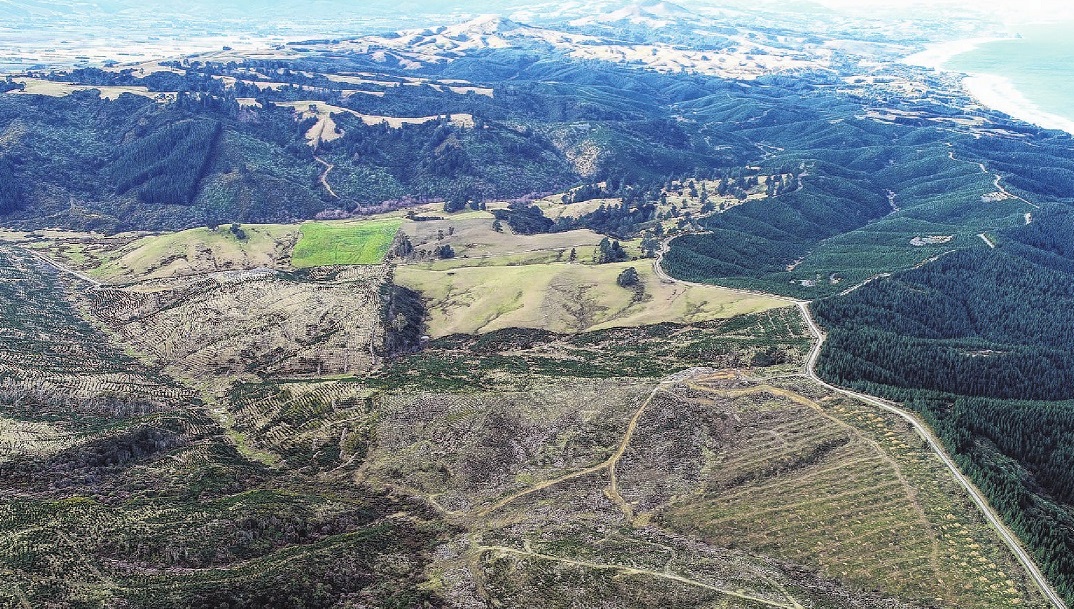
x=127 y=258
x=344 y=243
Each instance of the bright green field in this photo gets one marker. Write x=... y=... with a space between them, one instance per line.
x=337 y=243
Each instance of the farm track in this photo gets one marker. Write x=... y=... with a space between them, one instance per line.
x=608 y=464
x=658 y=269
x=324 y=176
x=996 y=183
x=1006 y=535
x=611 y=463
x=64 y=269
x=791 y=604
x=903 y=483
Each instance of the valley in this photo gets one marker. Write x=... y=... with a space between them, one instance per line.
x=370 y=436
x=652 y=462
x=565 y=306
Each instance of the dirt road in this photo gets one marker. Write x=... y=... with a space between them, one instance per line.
x=324 y=176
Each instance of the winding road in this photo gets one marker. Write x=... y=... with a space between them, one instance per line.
x=1006 y=535
x=996 y=182
x=324 y=176
x=1009 y=538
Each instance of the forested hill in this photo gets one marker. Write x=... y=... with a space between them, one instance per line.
x=969 y=341
x=214 y=139
x=873 y=198
x=222 y=143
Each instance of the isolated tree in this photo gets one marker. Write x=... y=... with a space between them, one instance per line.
x=403 y=247
x=609 y=251
x=628 y=278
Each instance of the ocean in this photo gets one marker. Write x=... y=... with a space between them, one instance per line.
x=1031 y=77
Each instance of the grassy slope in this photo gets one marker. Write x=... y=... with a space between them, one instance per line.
x=500 y=280
x=566 y=298
x=197 y=250
x=470 y=234
x=255 y=532
x=323 y=243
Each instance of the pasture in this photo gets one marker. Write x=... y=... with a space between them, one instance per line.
x=344 y=243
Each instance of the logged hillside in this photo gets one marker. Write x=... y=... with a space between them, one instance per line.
x=473 y=472
x=259 y=429
x=120 y=488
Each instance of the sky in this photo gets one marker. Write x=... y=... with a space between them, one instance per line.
x=1008 y=11
x=1003 y=10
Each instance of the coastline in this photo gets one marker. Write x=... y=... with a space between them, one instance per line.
x=989 y=90
x=999 y=93
x=935 y=56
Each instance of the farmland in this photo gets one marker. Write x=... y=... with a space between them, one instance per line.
x=129 y=258
x=652 y=462
x=565 y=297
x=191 y=252
x=323 y=244
x=379 y=322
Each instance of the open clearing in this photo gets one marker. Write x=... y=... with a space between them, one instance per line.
x=195 y=251
x=338 y=243
x=210 y=330
x=703 y=488
x=566 y=297
x=826 y=481
x=471 y=236
x=326 y=129
x=36 y=86
x=132 y=257
x=687 y=489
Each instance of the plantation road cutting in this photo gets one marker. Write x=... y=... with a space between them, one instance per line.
x=1008 y=537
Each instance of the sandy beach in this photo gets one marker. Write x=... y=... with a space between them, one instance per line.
x=989 y=90
x=936 y=55
x=998 y=93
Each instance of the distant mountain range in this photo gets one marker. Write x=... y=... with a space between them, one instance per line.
x=652 y=13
